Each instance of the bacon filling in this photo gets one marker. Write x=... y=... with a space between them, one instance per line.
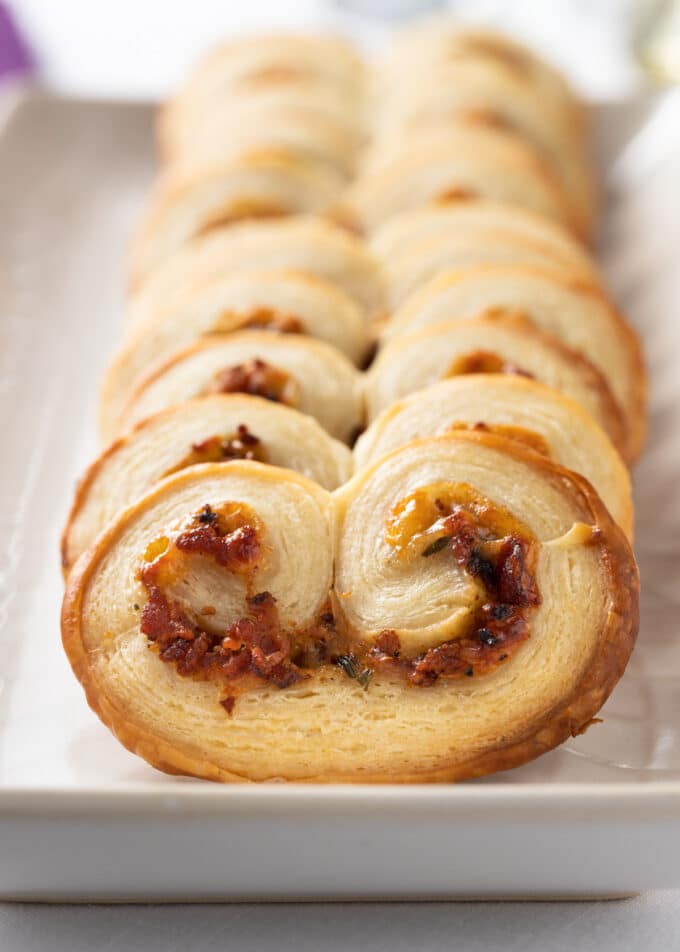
x=257 y=378
x=216 y=449
x=256 y=648
x=495 y=550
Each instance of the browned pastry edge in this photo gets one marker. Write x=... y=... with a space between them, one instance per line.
x=571 y=717
x=635 y=413
x=613 y=420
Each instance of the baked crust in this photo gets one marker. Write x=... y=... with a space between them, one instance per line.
x=158 y=445
x=439 y=72
x=329 y=696
x=578 y=313
x=463 y=164
x=288 y=64
x=324 y=383
x=299 y=243
x=416 y=360
x=514 y=406
x=276 y=301
x=195 y=198
x=465 y=601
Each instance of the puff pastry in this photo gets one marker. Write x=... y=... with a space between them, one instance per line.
x=298 y=122
x=462 y=163
x=453 y=665
x=299 y=372
x=207 y=429
x=578 y=314
x=300 y=243
x=407 y=272
x=472 y=94
x=281 y=64
x=445 y=74
x=246 y=598
x=278 y=301
x=437 y=41
x=416 y=245
x=195 y=197
x=517 y=408
x=499 y=343
x=424 y=225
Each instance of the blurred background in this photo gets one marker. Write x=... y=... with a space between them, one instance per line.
x=140 y=48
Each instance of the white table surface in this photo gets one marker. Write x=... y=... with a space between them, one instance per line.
x=137 y=49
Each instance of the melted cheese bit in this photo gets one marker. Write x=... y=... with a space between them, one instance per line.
x=579 y=534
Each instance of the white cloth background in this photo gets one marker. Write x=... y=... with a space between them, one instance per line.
x=141 y=48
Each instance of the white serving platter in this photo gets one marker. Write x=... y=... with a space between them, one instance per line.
x=80 y=817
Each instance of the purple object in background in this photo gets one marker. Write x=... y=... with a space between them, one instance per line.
x=15 y=56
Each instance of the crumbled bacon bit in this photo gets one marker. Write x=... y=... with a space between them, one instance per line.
x=388 y=643
x=488 y=645
x=515 y=583
x=240 y=547
x=254 y=647
x=491 y=547
x=499 y=625
x=240 y=445
x=257 y=378
x=163 y=622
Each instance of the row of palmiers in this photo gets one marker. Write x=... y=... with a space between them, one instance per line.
x=273 y=126
x=227 y=615
x=459 y=114
x=229 y=338
x=308 y=276
x=460 y=606
x=513 y=301
x=509 y=320
x=574 y=314
x=240 y=395
x=266 y=126
x=182 y=430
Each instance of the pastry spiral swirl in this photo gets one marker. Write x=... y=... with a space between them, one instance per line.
x=461 y=163
x=496 y=344
x=435 y=75
x=198 y=196
x=415 y=246
x=515 y=407
x=439 y=42
x=303 y=244
x=453 y=665
x=300 y=372
x=277 y=301
x=422 y=226
x=298 y=121
x=579 y=315
x=211 y=428
x=286 y=67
